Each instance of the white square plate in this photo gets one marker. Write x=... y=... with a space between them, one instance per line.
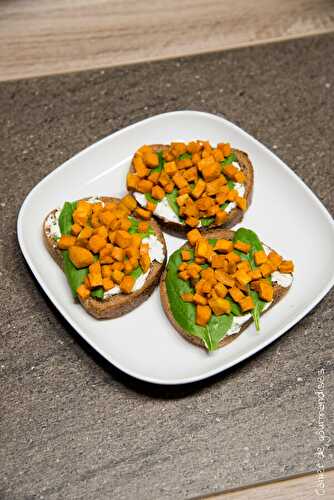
x=285 y=214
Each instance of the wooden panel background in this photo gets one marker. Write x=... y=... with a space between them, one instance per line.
x=39 y=37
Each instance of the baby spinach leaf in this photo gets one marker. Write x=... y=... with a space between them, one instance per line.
x=97 y=293
x=207 y=221
x=75 y=277
x=161 y=163
x=185 y=312
x=65 y=217
x=185 y=156
x=134 y=228
x=137 y=272
x=231 y=158
x=149 y=197
x=230 y=184
x=171 y=198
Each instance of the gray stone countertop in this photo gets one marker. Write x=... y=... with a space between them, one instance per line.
x=74 y=426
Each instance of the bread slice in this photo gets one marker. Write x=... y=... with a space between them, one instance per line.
x=234 y=217
x=120 y=304
x=279 y=293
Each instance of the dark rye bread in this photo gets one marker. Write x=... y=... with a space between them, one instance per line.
x=227 y=234
x=120 y=304
x=234 y=217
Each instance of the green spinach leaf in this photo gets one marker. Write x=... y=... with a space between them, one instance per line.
x=185 y=156
x=75 y=277
x=231 y=158
x=171 y=198
x=149 y=197
x=137 y=272
x=65 y=217
x=97 y=293
x=161 y=162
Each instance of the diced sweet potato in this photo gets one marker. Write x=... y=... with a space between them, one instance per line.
x=140 y=167
x=80 y=257
x=151 y=159
x=85 y=233
x=125 y=224
x=158 y=193
x=187 y=297
x=123 y=239
x=118 y=254
x=193 y=270
x=198 y=189
x=220 y=306
x=106 y=217
x=144 y=186
x=117 y=276
x=101 y=231
x=242 y=277
x=186 y=255
x=107 y=284
x=96 y=242
x=136 y=241
x=132 y=181
x=218 y=261
x=83 y=292
x=119 y=266
x=242 y=246
x=230 y=170
x=66 y=241
x=200 y=299
x=223 y=246
x=170 y=168
x=82 y=212
x=286 y=266
x=169 y=187
x=221 y=290
x=247 y=304
x=106 y=271
x=275 y=259
x=145 y=262
x=191 y=174
x=224 y=278
x=127 y=283
x=211 y=172
x=144 y=214
x=233 y=257
x=266 y=269
x=75 y=229
x=255 y=274
x=95 y=279
x=202 y=247
x=260 y=257
x=265 y=291
x=179 y=180
x=105 y=254
x=193 y=236
x=184 y=275
x=241 y=202
x=129 y=201
x=221 y=217
x=236 y=294
x=203 y=315
x=239 y=177
x=182 y=200
x=192 y=221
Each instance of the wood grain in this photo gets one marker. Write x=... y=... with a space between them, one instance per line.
x=304 y=487
x=39 y=38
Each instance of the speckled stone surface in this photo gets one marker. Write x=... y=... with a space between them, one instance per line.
x=75 y=427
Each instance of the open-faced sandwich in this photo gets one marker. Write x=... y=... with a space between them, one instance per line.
x=192 y=185
x=216 y=284
x=111 y=258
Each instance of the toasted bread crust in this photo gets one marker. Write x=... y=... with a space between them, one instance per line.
x=234 y=217
x=279 y=293
x=120 y=304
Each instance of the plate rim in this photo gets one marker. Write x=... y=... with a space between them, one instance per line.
x=76 y=326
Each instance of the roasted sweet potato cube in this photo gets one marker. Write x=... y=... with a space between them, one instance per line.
x=179 y=180
x=106 y=271
x=170 y=168
x=242 y=246
x=158 y=193
x=95 y=268
x=275 y=258
x=66 y=241
x=144 y=214
x=191 y=174
x=193 y=270
x=169 y=187
x=231 y=195
x=207 y=286
x=95 y=280
x=123 y=239
x=82 y=212
x=220 y=306
x=140 y=167
x=192 y=221
x=286 y=266
x=230 y=171
x=117 y=276
x=236 y=294
x=184 y=275
x=145 y=262
x=202 y=248
x=183 y=266
x=107 y=284
x=223 y=246
x=186 y=163
x=80 y=257
x=150 y=206
x=105 y=254
x=227 y=150
x=198 y=189
x=83 y=292
x=116 y=224
x=75 y=229
x=247 y=304
x=208 y=274
x=241 y=202
x=244 y=264
x=213 y=187
x=255 y=274
x=117 y=265
x=218 y=261
x=106 y=217
x=151 y=159
x=143 y=150
x=136 y=241
x=260 y=257
x=239 y=177
x=187 y=297
x=224 y=278
x=266 y=269
x=193 y=236
x=118 y=254
x=218 y=155
x=101 y=231
x=203 y=315
x=96 y=243
x=144 y=186
x=200 y=299
x=231 y=267
x=127 y=283
x=242 y=277
x=154 y=177
x=221 y=217
x=129 y=201
x=211 y=172
x=221 y=290
x=132 y=251
x=233 y=257
x=125 y=224
x=186 y=255
x=182 y=200
x=265 y=291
